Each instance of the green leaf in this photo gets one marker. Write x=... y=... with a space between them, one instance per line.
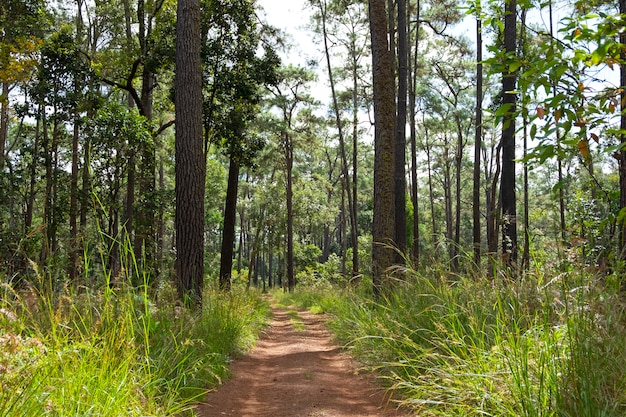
x=514 y=66
x=599 y=54
x=503 y=109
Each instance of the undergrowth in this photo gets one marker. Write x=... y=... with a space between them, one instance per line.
x=117 y=351
x=536 y=346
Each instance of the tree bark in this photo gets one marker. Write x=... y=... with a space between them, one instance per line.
x=400 y=145
x=622 y=153
x=507 y=186
x=190 y=163
x=4 y=121
x=415 y=245
x=478 y=138
x=230 y=218
x=291 y=277
x=383 y=227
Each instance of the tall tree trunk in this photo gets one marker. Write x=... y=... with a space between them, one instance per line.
x=526 y=253
x=622 y=154
x=160 y=233
x=228 y=233
x=458 y=157
x=190 y=163
x=415 y=245
x=146 y=210
x=74 y=250
x=493 y=211
x=342 y=143
x=478 y=137
x=507 y=186
x=291 y=277
x=355 y=164
x=129 y=200
x=4 y=121
x=431 y=195
x=240 y=245
x=447 y=193
x=562 y=231
x=400 y=145
x=383 y=227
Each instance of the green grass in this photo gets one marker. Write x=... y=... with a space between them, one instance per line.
x=471 y=347
x=116 y=352
x=296 y=321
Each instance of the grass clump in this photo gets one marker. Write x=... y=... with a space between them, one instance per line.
x=114 y=352
x=471 y=347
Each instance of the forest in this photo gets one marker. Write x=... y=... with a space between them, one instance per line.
x=446 y=179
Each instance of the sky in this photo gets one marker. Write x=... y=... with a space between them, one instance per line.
x=292 y=17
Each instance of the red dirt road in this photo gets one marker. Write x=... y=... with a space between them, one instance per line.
x=296 y=371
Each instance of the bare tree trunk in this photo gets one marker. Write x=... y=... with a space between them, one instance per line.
x=622 y=153
x=4 y=122
x=415 y=245
x=228 y=233
x=430 y=191
x=342 y=146
x=190 y=162
x=478 y=138
x=457 y=218
x=383 y=228
x=74 y=250
x=507 y=187
x=526 y=253
x=355 y=146
x=563 y=241
x=447 y=192
x=291 y=277
x=400 y=145
x=493 y=211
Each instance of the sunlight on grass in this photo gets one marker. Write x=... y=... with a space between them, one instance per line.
x=115 y=352
x=538 y=346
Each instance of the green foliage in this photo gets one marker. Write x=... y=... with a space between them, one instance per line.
x=116 y=352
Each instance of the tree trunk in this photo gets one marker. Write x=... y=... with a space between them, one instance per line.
x=400 y=145
x=415 y=245
x=383 y=227
x=230 y=218
x=74 y=250
x=447 y=194
x=342 y=144
x=4 y=121
x=291 y=278
x=526 y=252
x=431 y=194
x=457 y=219
x=160 y=232
x=622 y=153
x=478 y=138
x=190 y=163
x=507 y=186
x=355 y=145
x=493 y=211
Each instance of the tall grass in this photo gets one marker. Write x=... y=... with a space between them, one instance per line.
x=116 y=352
x=537 y=346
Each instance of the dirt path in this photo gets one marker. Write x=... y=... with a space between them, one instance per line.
x=296 y=371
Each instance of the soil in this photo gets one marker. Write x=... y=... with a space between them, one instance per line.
x=297 y=371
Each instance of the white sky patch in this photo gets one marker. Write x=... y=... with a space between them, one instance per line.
x=293 y=17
